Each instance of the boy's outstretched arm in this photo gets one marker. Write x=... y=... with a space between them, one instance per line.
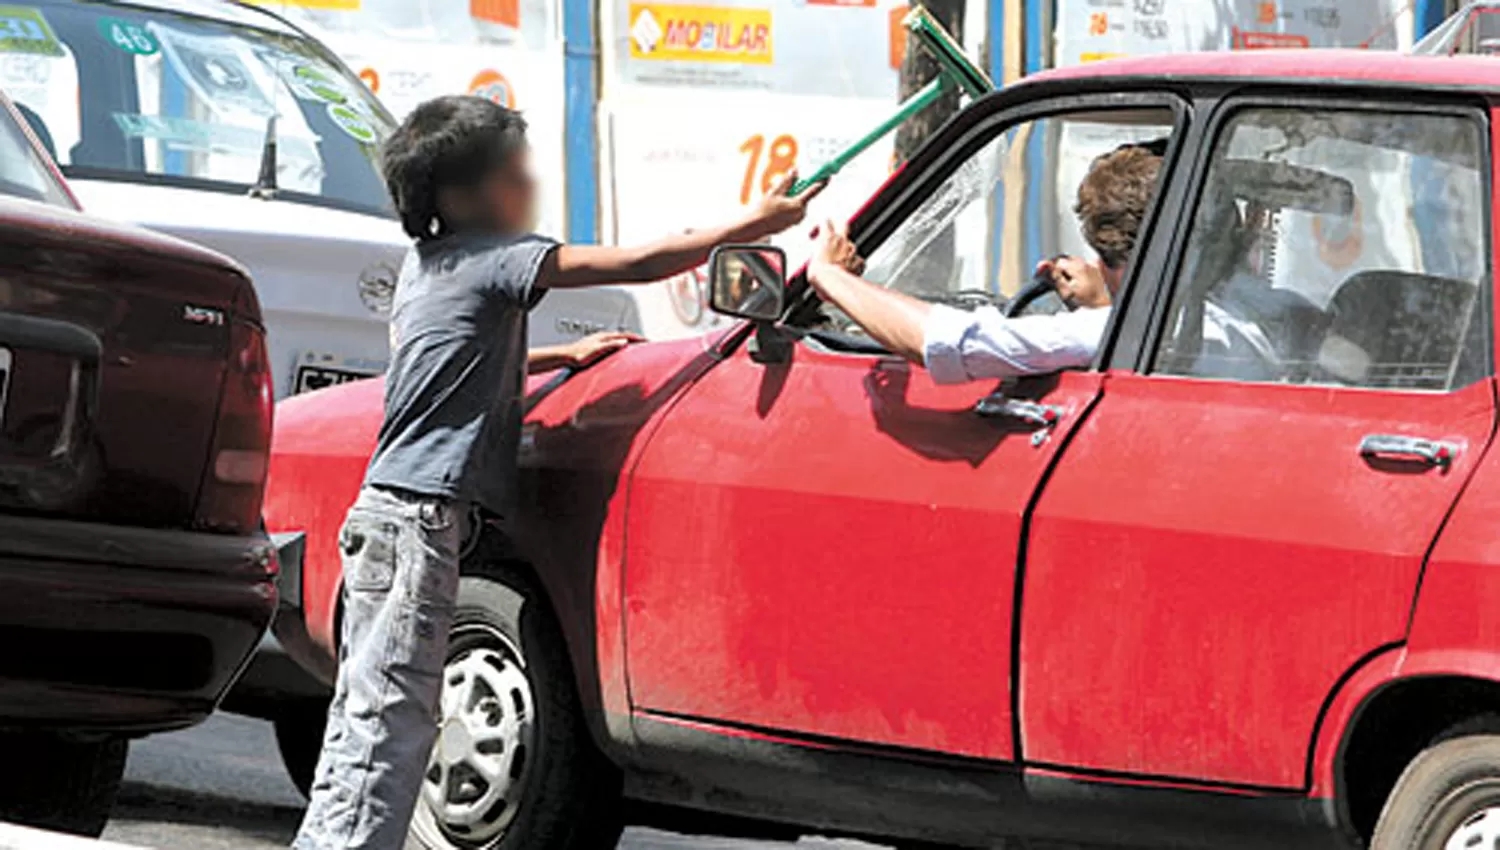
x=573 y=266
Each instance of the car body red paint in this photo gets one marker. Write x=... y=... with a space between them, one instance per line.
x=791 y=589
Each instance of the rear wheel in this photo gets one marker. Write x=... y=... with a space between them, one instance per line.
x=514 y=766
x=59 y=784
x=1447 y=799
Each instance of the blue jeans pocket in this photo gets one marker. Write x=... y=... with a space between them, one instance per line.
x=368 y=546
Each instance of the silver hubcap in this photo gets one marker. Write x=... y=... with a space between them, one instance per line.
x=479 y=765
x=1480 y=832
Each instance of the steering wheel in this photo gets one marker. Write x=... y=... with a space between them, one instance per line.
x=971 y=299
x=1032 y=294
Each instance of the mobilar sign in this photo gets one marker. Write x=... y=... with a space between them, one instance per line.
x=700 y=33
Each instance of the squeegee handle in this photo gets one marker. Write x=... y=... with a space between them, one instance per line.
x=914 y=104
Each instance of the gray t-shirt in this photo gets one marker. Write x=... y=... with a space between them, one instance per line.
x=453 y=392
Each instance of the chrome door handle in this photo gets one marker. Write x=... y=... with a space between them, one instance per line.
x=1032 y=413
x=1431 y=452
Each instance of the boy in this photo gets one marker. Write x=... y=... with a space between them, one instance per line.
x=457 y=172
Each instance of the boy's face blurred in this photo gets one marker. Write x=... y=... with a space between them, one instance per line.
x=502 y=201
x=508 y=195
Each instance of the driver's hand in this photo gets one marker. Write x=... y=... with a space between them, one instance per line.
x=835 y=249
x=1079 y=283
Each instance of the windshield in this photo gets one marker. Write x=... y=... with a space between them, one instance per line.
x=976 y=238
x=23 y=174
x=125 y=92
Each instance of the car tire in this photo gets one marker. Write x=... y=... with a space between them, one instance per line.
x=299 y=737
x=1449 y=793
x=60 y=784
x=508 y=675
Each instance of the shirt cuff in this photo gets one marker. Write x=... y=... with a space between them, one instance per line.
x=943 y=335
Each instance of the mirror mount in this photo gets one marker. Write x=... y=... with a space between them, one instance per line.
x=770 y=344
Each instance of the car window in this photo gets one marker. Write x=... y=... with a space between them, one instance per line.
x=23 y=173
x=1343 y=248
x=977 y=238
x=125 y=92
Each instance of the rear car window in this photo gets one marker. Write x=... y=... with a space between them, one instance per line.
x=125 y=92
x=1339 y=248
x=23 y=173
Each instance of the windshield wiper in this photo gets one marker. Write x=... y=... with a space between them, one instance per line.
x=265 y=187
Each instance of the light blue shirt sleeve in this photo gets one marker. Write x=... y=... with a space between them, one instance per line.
x=959 y=346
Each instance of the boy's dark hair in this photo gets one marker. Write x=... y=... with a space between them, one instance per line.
x=1113 y=200
x=446 y=141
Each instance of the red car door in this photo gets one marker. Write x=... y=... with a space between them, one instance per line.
x=824 y=543
x=1233 y=530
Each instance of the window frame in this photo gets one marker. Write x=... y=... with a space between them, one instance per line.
x=968 y=132
x=1220 y=110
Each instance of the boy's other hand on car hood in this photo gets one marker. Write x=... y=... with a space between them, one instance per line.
x=591 y=349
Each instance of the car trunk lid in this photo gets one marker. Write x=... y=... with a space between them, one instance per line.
x=114 y=348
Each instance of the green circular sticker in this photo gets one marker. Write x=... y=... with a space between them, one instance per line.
x=352 y=123
x=319 y=85
x=129 y=37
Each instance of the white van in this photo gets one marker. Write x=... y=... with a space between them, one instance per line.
x=226 y=125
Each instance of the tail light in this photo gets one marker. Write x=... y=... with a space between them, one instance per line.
x=234 y=483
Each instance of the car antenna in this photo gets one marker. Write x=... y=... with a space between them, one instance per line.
x=265 y=184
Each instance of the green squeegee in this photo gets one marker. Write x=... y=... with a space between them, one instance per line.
x=954 y=71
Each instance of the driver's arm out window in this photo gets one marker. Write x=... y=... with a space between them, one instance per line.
x=977 y=238
x=1339 y=248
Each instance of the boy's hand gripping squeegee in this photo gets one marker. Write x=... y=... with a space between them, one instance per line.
x=955 y=71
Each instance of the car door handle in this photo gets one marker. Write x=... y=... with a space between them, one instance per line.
x=1431 y=452
x=998 y=406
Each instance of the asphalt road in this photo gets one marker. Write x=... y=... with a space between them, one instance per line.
x=220 y=786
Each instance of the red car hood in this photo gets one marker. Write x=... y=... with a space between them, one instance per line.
x=323 y=441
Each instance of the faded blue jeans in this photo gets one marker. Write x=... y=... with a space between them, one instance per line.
x=400 y=556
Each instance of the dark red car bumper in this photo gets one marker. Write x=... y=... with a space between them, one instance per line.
x=116 y=629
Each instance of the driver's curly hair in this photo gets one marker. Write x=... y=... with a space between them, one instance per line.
x=1113 y=200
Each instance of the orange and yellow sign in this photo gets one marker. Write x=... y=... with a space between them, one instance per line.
x=507 y=12
x=669 y=32
x=492 y=85
x=896 y=33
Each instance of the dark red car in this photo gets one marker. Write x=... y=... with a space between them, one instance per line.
x=135 y=418
x=1237 y=584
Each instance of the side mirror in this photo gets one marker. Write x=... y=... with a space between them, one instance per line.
x=748 y=281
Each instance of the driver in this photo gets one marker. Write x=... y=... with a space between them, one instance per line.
x=958 y=346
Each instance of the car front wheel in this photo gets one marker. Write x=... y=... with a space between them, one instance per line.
x=60 y=784
x=1447 y=799
x=514 y=766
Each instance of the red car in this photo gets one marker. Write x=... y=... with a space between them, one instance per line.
x=135 y=425
x=1236 y=584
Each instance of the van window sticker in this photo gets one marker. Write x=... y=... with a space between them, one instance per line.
x=128 y=36
x=187 y=134
x=216 y=69
x=354 y=125
x=23 y=29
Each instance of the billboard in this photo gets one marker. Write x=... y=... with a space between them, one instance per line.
x=706 y=105
x=1091 y=30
